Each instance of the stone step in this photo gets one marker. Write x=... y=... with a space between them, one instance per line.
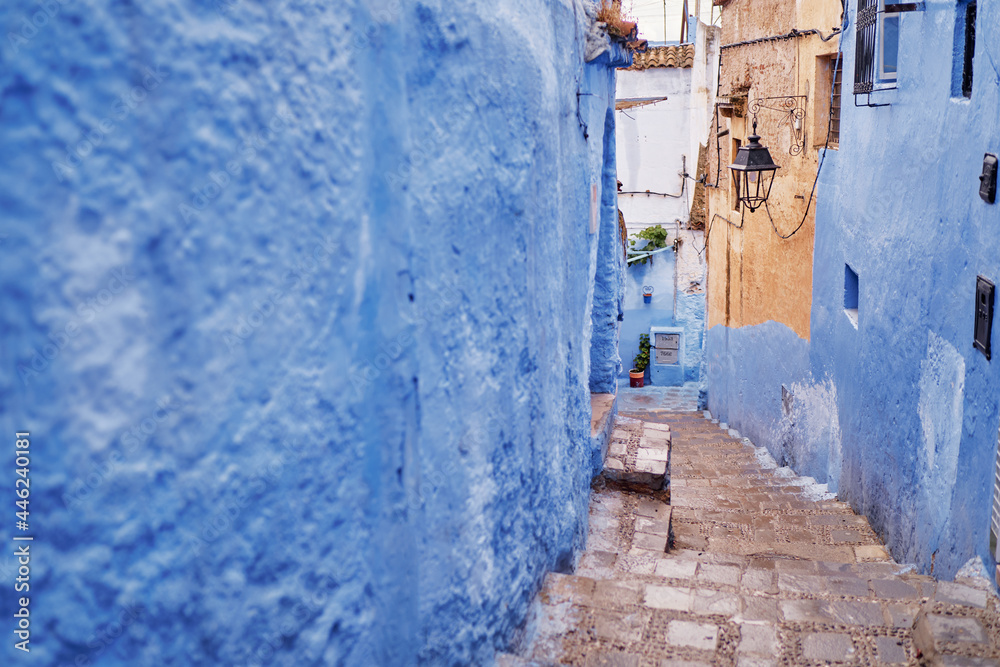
x=639 y=454
x=761 y=571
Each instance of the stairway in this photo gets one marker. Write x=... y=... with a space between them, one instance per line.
x=764 y=569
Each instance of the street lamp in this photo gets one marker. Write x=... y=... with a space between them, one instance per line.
x=758 y=169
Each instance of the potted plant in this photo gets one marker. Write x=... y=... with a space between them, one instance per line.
x=636 y=376
x=647 y=294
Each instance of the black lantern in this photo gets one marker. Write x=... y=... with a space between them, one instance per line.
x=753 y=172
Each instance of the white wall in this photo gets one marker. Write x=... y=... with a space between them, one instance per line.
x=653 y=144
x=657 y=142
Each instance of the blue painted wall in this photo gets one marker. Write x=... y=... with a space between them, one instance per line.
x=670 y=307
x=297 y=307
x=910 y=408
x=639 y=316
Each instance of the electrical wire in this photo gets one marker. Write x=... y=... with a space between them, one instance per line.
x=826 y=147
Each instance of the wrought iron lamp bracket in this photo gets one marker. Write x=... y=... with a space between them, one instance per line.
x=793 y=106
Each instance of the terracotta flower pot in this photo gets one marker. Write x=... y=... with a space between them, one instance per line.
x=636 y=378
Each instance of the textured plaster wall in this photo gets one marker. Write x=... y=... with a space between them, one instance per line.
x=902 y=411
x=918 y=405
x=302 y=334
x=756 y=276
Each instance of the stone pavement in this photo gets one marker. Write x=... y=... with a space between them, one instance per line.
x=657 y=398
x=764 y=569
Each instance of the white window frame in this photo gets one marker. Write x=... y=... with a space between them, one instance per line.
x=882 y=74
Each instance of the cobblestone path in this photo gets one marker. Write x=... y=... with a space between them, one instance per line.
x=763 y=569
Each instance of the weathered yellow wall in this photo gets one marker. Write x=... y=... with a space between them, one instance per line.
x=754 y=276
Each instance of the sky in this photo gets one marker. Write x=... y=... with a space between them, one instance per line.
x=649 y=14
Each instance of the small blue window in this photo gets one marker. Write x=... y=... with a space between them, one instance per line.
x=888 y=44
x=851 y=294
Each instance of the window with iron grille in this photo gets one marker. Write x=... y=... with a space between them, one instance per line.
x=877 y=48
x=836 y=77
x=970 y=48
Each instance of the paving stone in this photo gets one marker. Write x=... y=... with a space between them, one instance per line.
x=653 y=455
x=894 y=589
x=612 y=659
x=950 y=593
x=759 y=639
x=654 y=426
x=763 y=581
x=871 y=552
x=806 y=611
x=701 y=636
x=902 y=615
x=691 y=541
x=611 y=594
x=964 y=661
x=668 y=597
x=719 y=574
x=652 y=526
x=613 y=464
x=827 y=647
x=756 y=661
x=707 y=601
x=654 y=509
x=803 y=583
x=848 y=536
x=617 y=450
x=675 y=568
x=670 y=662
x=847 y=587
x=795 y=566
x=890 y=650
x=657 y=543
x=857 y=613
x=620 y=626
x=651 y=467
x=638 y=561
x=931 y=630
x=759 y=609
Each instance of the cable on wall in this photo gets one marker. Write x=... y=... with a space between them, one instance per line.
x=826 y=147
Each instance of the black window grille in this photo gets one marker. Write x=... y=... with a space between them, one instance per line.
x=837 y=77
x=865 y=57
x=970 y=47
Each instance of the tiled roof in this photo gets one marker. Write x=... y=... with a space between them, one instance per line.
x=681 y=55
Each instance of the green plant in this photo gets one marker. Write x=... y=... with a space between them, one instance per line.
x=641 y=360
x=655 y=237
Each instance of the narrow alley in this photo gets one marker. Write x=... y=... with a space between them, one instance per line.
x=763 y=568
x=530 y=333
